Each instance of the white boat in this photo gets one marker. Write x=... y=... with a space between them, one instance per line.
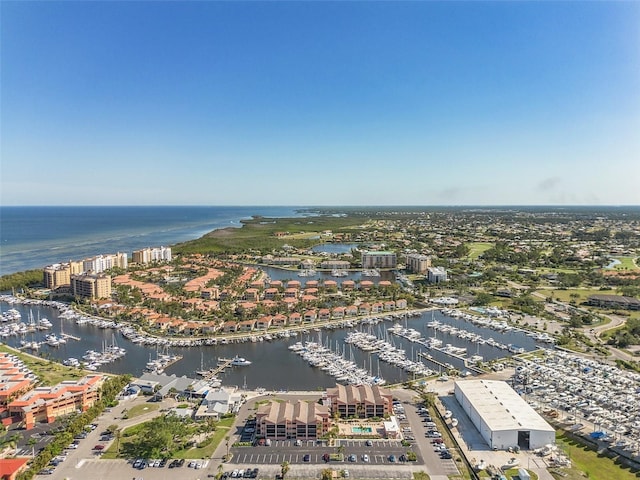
x=240 y=361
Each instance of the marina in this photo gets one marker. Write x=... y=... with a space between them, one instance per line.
x=267 y=350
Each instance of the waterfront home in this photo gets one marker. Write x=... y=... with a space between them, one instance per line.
x=162 y=323
x=310 y=316
x=401 y=304
x=193 y=328
x=295 y=284
x=377 y=307
x=311 y=284
x=364 y=309
x=279 y=320
x=311 y=291
x=246 y=325
x=308 y=298
x=264 y=323
x=366 y=285
x=384 y=283
x=389 y=306
x=348 y=285
x=338 y=312
x=362 y=401
x=230 y=326
x=351 y=311
x=176 y=327
x=295 y=318
x=330 y=285
x=210 y=328
x=324 y=314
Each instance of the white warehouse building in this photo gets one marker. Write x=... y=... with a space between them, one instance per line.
x=501 y=416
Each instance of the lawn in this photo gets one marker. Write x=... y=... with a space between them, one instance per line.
x=142 y=409
x=587 y=462
x=49 y=373
x=478 y=248
x=626 y=263
x=583 y=293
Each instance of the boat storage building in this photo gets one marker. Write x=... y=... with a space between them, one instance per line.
x=501 y=416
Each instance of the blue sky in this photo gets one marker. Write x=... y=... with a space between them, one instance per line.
x=320 y=103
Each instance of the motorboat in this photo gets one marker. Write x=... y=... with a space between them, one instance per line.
x=240 y=362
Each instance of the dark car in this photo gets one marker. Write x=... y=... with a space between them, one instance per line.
x=446 y=456
x=392 y=458
x=368 y=443
x=326 y=457
x=306 y=458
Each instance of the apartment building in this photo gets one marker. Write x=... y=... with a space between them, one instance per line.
x=380 y=259
x=45 y=404
x=303 y=420
x=418 y=263
x=152 y=254
x=91 y=285
x=436 y=275
x=56 y=275
x=360 y=401
x=100 y=263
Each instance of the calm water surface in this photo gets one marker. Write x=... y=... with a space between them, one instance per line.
x=274 y=365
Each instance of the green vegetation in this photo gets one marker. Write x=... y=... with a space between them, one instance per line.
x=588 y=462
x=259 y=234
x=142 y=409
x=171 y=436
x=626 y=263
x=49 y=373
x=478 y=248
x=421 y=476
x=574 y=295
x=20 y=280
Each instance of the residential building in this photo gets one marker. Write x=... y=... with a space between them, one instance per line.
x=219 y=402
x=91 y=285
x=418 y=263
x=335 y=264
x=100 y=263
x=436 y=275
x=373 y=259
x=614 y=301
x=45 y=404
x=152 y=254
x=282 y=420
x=360 y=401
x=57 y=275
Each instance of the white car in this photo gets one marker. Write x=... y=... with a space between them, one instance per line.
x=365 y=458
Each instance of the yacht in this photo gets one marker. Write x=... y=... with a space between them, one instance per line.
x=240 y=361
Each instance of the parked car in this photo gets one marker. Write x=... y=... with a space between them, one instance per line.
x=392 y=458
x=98 y=447
x=352 y=458
x=306 y=458
x=365 y=458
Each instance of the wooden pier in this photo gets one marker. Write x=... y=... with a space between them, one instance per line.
x=72 y=337
x=223 y=363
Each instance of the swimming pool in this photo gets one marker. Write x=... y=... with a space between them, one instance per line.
x=361 y=430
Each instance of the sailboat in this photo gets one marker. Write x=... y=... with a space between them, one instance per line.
x=202 y=372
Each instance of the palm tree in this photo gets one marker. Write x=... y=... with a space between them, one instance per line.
x=326 y=474
x=227 y=438
x=284 y=469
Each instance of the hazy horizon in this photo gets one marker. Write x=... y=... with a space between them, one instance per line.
x=321 y=103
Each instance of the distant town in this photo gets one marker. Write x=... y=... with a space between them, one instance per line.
x=570 y=280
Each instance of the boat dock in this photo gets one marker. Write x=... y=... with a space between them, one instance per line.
x=72 y=337
x=223 y=363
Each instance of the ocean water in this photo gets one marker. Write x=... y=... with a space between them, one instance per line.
x=33 y=237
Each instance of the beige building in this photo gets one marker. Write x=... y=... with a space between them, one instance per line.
x=418 y=263
x=281 y=420
x=155 y=254
x=360 y=401
x=57 y=275
x=91 y=285
x=379 y=260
